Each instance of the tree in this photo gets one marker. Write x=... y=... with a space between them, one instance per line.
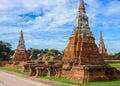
x=46 y=52
x=52 y=52
x=34 y=52
x=63 y=51
x=5 y=50
x=117 y=54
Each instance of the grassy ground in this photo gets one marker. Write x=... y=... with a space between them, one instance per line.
x=14 y=70
x=116 y=65
x=67 y=81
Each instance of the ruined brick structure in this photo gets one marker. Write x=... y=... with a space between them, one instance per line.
x=111 y=57
x=20 y=53
x=82 y=61
x=45 y=68
x=102 y=49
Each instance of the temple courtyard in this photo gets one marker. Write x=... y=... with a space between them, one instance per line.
x=83 y=62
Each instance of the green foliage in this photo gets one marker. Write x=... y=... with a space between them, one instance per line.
x=46 y=52
x=34 y=52
x=52 y=52
x=67 y=81
x=116 y=65
x=12 y=52
x=5 y=50
x=63 y=52
x=117 y=54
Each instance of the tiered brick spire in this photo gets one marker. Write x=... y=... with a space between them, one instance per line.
x=81 y=25
x=20 y=53
x=82 y=60
x=82 y=7
x=102 y=49
x=82 y=43
x=21 y=43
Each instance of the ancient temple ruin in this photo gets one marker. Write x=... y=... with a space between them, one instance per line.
x=102 y=49
x=20 y=52
x=82 y=61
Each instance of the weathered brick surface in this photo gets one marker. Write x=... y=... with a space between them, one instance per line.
x=20 y=53
x=82 y=61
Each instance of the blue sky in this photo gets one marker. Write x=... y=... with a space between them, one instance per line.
x=49 y=23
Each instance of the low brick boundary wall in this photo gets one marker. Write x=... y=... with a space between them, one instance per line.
x=111 y=57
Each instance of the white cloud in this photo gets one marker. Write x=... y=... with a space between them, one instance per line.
x=113 y=8
x=53 y=44
x=58 y=18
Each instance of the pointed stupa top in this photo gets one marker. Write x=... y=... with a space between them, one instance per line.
x=82 y=7
x=82 y=25
x=101 y=42
x=21 y=43
x=102 y=49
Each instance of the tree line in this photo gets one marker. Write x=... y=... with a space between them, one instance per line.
x=46 y=52
x=6 y=51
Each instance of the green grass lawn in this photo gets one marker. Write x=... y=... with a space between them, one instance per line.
x=67 y=81
x=14 y=70
x=116 y=65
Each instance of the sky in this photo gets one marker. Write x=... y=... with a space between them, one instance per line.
x=49 y=23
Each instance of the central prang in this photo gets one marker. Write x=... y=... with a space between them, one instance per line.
x=82 y=49
x=82 y=61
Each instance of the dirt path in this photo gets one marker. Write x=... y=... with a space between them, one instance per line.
x=8 y=78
